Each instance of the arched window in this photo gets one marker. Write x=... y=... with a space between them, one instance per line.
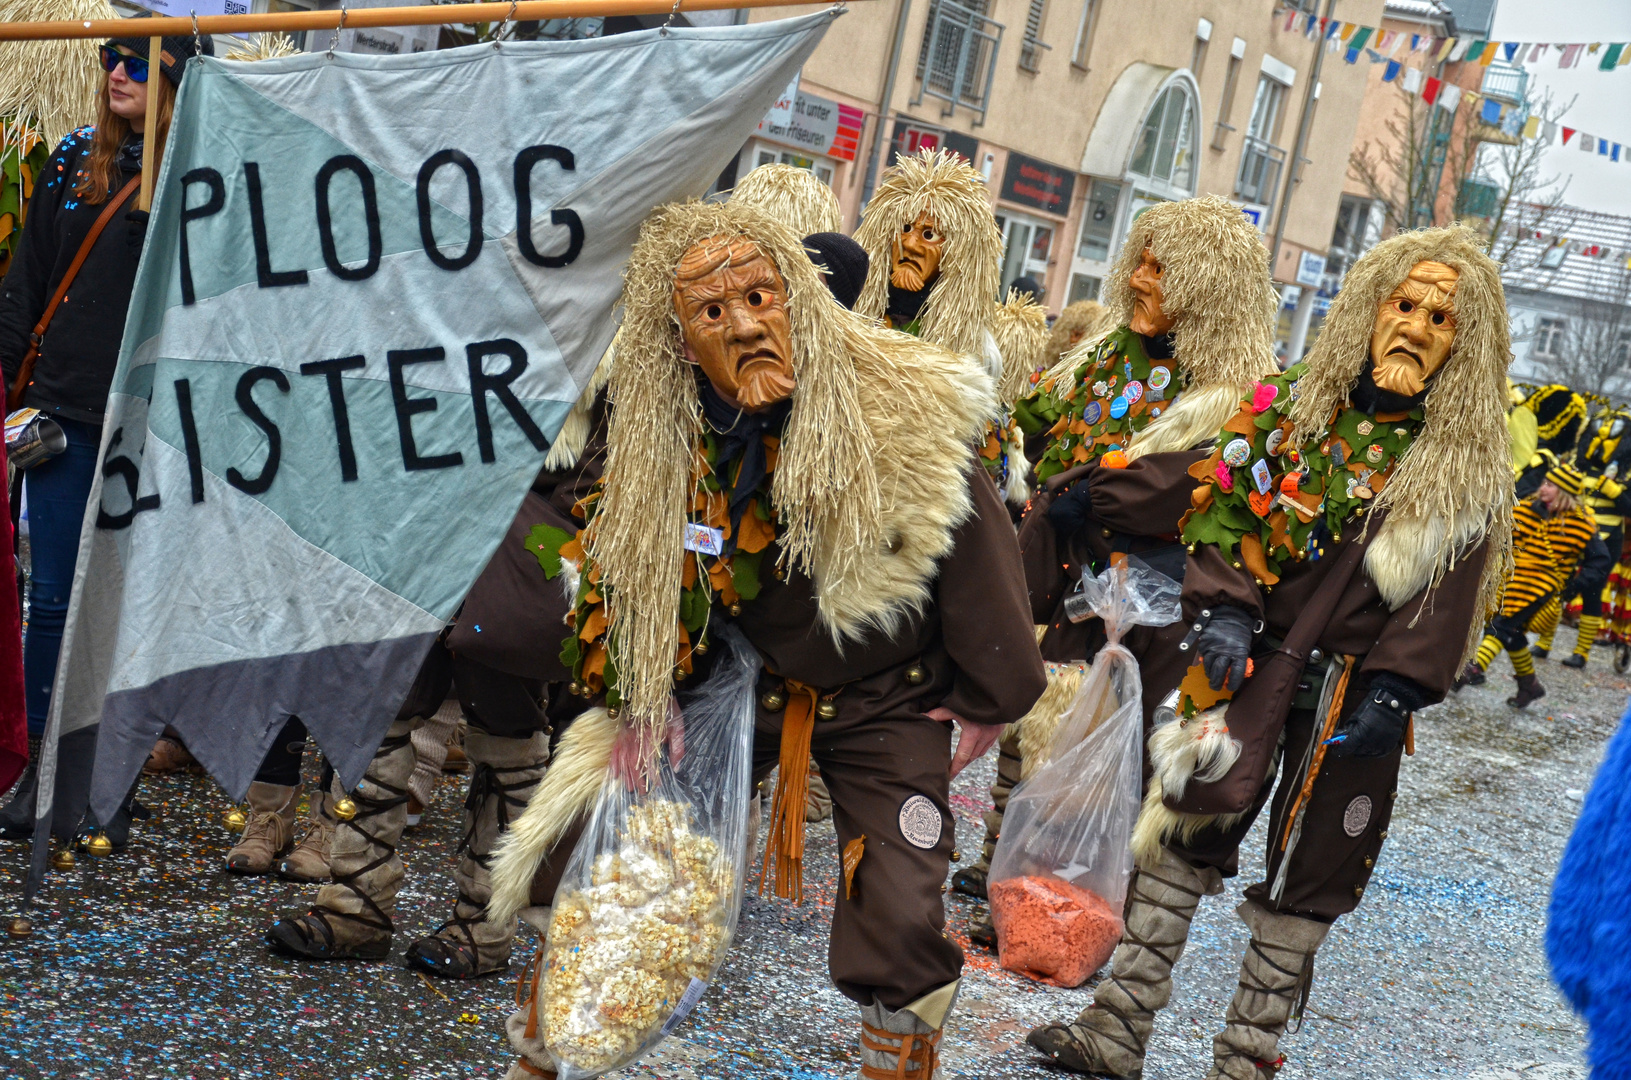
x=1163 y=161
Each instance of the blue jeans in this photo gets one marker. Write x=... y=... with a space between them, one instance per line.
x=57 y=493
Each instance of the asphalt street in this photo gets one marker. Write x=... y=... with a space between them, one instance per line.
x=149 y=964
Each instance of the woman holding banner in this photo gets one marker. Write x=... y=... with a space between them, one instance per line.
x=62 y=314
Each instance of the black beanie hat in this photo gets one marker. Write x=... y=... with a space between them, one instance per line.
x=843 y=262
x=174 y=51
x=1028 y=284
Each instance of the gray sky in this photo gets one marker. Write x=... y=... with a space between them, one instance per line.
x=1602 y=104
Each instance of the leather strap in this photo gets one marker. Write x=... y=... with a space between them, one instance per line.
x=25 y=372
x=920 y=1051
x=785 y=844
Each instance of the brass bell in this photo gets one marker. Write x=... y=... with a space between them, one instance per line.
x=575 y=688
x=914 y=675
x=98 y=845
x=62 y=859
x=19 y=928
x=345 y=809
x=826 y=710
x=679 y=673
x=613 y=712
x=701 y=648
x=235 y=819
x=736 y=609
x=773 y=701
x=780 y=574
x=956 y=856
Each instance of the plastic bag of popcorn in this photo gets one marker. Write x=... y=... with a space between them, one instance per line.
x=648 y=902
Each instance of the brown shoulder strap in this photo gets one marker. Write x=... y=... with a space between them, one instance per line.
x=25 y=373
x=84 y=251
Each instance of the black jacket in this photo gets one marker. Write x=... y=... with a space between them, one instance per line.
x=77 y=357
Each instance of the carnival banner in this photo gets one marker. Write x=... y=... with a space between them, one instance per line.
x=371 y=290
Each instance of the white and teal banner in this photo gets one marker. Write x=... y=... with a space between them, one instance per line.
x=371 y=290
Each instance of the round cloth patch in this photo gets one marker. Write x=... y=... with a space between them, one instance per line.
x=920 y=822
x=1354 y=819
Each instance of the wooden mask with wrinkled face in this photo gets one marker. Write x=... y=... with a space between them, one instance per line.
x=1149 y=318
x=732 y=306
x=918 y=250
x=1414 y=330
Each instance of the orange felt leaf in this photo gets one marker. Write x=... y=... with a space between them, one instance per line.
x=717 y=512
x=688 y=573
x=1060 y=426
x=1251 y=553
x=1242 y=423
x=992 y=449
x=1278 y=535
x=1079 y=427
x=756 y=535
x=719 y=576
x=594 y=665
x=682 y=659
x=1199 y=691
x=1205 y=470
x=1260 y=502
x=852 y=859
x=1080 y=455
x=1201 y=498
x=773 y=452
x=573 y=549
x=594 y=624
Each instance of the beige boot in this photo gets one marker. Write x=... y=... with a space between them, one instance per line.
x=309 y=859
x=905 y=1044
x=268 y=831
x=504 y=774
x=817 y=800
x=1109 y=1037
x=430 y=754
x=524 y=1026
x=1275 y=978
x=352 y=917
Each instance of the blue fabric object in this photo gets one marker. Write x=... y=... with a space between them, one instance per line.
x=1588 y=935
x=1491 y=112
x=58 y=490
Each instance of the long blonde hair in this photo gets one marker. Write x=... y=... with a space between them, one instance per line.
x=99 y=176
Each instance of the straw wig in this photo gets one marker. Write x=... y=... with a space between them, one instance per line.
x=866 y=496
x=1453 y=486
x=793 y=196
x=1020 y=327
x=1214 y=283
x=958 y=312
x=1086 y=317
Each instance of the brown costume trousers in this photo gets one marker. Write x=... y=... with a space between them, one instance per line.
x=888 y=934
x=1343 y=828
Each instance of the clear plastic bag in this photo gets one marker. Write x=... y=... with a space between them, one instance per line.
x=648 y=903
x=1059 y=875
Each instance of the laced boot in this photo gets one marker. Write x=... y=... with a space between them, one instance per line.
x=1275 y=978
x=268 y=832
x=1529 y=690
x=352 y=917
x=1110 y=1036
x=1471 y=675
x=170 y=755
x=523 y=1026
x=309 y=859
x=905 y=1044
x=505 y=772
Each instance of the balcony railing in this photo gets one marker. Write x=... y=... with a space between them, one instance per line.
x=959 y=58
x=1260 y=165
x=1506 y=83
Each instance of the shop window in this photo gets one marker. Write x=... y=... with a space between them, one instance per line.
x=822 y=171
x=1026 y=244
x=1084 y=287
x=1099 y=221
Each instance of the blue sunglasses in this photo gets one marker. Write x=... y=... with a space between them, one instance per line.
x=135 y=66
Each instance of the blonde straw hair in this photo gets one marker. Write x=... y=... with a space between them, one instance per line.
x=1458 y=471
x=796 y=197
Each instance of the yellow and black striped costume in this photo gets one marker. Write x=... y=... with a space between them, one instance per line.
x=1546 y=548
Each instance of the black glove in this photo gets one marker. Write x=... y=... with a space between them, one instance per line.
x=1377 y=727
x=136 y=229
x=1224 y=645
x=1071 y=509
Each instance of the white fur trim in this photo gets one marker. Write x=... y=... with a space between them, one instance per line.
x=1036 y=728
x=570 y=572
x=1197 y=749
x=1017 y=490
x=574 y=434
x=1403 y=558
x=1191 y=421
x=991 y=356
x=569 y=789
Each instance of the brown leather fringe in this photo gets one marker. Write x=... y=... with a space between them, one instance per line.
x=1326 y=731
x=785 y=844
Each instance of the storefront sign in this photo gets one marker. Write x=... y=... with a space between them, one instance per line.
x=1037 y=184
x=1310 y=269
x=814 y=124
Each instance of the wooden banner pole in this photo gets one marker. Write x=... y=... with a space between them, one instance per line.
x=150 y=131
x=426 y=15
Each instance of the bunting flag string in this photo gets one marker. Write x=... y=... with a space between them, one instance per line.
x=1397 y=49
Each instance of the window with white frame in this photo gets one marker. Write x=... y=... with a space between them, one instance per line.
x=1550 y=333
x=1164 y=156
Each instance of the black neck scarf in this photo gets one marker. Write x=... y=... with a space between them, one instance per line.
x=905 y=306
x=1372 y=399
x=129 y=157
x=1159 y=347
x=742 y=463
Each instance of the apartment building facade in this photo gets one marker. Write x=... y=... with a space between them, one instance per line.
x=1081 y=113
